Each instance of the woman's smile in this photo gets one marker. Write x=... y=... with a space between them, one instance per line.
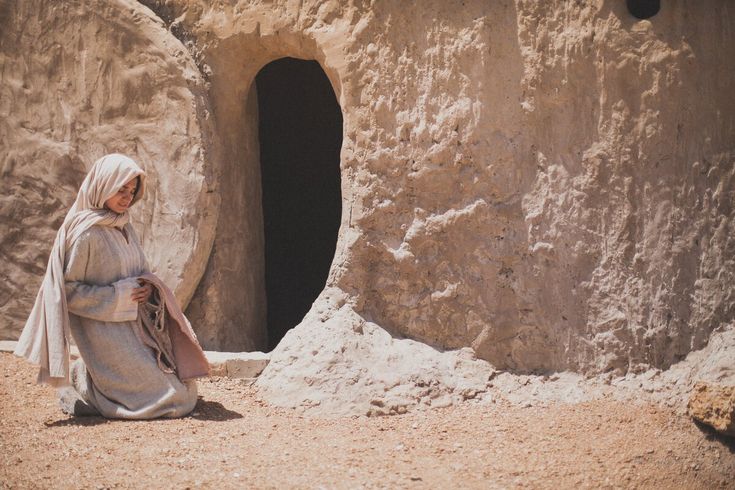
x=121 y=201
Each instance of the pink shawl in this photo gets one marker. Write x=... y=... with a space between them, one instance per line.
x=188 y=357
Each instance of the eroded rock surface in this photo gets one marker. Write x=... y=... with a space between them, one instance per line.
x=356 y=367
x=527 y=179
x=714 y=405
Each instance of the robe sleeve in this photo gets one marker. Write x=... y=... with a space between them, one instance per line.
x=107 y=303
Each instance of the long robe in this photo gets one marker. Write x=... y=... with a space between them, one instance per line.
x=120 y=376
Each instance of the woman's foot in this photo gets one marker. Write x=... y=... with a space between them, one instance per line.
x=72 y=404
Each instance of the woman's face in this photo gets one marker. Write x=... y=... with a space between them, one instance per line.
x=120 y=202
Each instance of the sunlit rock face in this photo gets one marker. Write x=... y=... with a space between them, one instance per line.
x=548 y=184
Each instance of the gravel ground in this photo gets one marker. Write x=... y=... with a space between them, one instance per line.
x=235 y=440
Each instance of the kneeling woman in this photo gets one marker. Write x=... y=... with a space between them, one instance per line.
x=139 y=354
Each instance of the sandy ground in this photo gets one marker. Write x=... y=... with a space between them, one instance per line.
x=235 y=440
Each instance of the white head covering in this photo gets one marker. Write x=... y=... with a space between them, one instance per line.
x=45 y=337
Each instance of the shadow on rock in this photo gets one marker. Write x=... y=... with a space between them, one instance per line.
x=208 y=410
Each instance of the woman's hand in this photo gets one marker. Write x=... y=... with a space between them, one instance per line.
x=141 y=294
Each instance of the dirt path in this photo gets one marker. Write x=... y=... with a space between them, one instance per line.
x=234 y=440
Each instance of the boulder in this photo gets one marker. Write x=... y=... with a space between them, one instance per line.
x=80 y=79
x=714 y=405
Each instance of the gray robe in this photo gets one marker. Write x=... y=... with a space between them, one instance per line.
x=120 y=376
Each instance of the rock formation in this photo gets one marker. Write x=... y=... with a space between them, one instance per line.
x=526 y=186
x=714 y=405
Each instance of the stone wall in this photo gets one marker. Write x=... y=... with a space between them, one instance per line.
x=548 y=183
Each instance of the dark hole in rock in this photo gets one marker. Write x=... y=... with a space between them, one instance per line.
x=643 y=9
x=300 y=133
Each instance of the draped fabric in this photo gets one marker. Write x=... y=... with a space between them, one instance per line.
x=119 y=374
x=165 y=329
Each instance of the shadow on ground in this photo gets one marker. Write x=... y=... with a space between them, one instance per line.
x=78 y=421
x=712 y=435
x=204 y=410
x=209 y=410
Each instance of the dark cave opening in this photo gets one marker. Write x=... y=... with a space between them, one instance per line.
x=300 y=135
x=643 y=9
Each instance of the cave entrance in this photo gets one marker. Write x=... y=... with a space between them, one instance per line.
x=300 y=136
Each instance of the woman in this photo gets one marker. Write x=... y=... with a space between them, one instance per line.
x=98 y=289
